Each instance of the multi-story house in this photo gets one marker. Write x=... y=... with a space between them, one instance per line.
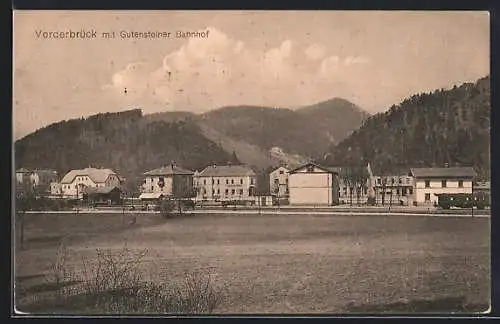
x=167 y=181
x=431 y=181
x=38 y=180
x=392 y=190
x=278 y=182
x=355 y=184
x=313 y=184
x=217 y=183
x=74 y=183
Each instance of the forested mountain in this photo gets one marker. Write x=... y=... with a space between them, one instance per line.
x=308 y=131
x=428 y=129
x=125 y=142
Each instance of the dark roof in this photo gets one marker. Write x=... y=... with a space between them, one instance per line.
x=451 y=172
x=227 y=171
x=169 y=170
x=100 y=190
x=326 y=169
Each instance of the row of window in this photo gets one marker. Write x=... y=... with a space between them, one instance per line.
x=227 y=181
x=393 y=181
x=444 y=183
x=226 y=192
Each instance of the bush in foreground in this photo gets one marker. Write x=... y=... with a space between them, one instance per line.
x=114 y=283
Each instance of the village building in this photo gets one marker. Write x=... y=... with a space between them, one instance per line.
x=394 y=190
x=217 y=183
x=38 y=180
x=313 y=184
x=168 y=181
x=110 y=195
x=355 y=184
x=278 y=182
x=428 y=182
x=74 y=183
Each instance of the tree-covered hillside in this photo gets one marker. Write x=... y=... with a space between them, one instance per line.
x=429 y=129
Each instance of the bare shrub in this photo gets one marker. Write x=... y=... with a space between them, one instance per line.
x=58 y=268
x=115 y=283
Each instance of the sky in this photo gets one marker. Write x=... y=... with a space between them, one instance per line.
x=267 y=58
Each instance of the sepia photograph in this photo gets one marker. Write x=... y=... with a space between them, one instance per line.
x=243 y=162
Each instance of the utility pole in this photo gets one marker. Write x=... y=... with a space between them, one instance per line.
x=473 y=199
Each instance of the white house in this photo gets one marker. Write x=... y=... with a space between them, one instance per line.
x=74 y=182
x=167 y=181
x=278 y=182
x=218 y=183
x=312 y=184
x=37 y=179
x=431 y=181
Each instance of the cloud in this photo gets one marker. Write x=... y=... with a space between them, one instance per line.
x=206 y=73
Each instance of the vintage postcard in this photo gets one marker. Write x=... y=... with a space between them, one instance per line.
x=251 y=162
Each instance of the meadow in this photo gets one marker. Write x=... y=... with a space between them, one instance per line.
x=274 y=264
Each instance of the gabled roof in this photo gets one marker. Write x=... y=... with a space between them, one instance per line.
x=96 y=175
x=227 y=171
x=168 y=170
x=451 y=172
x=323 y=168
x=100 y=190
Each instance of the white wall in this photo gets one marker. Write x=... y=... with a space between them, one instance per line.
x=310 y=188
x=206 y=189
x=436 y=188
x=151 y=185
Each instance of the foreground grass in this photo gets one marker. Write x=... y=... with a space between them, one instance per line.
x=293 y=264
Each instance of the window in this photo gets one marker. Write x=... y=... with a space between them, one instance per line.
x=427 y=183
x=213 y=181
x=397 y=191
x=427 y=197
x=410 y=191
x=152 y=187
x=400 y=181
x=241 y=181
x=241 y=192
x=213 y=192
x=281 y=172
x=218 y=191
x=252 y=181
x=232 y=181
x=378 y=181
x=460 y=183
x=276 y=181
x=403 y=191
x=232 y=191
x=204 y=181
x=218 y=181
x=227 y=181
x=443 y=183
x=227 y=191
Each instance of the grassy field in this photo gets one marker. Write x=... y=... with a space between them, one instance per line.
x=283 y=264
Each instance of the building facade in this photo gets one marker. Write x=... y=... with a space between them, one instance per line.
x=168 y=181
x=431 y=181
x=312 y=184
x=278 y=182
x=74 y=183
x=228 y=182
x=394 y=190
x=355 y=184
x=38 y=180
